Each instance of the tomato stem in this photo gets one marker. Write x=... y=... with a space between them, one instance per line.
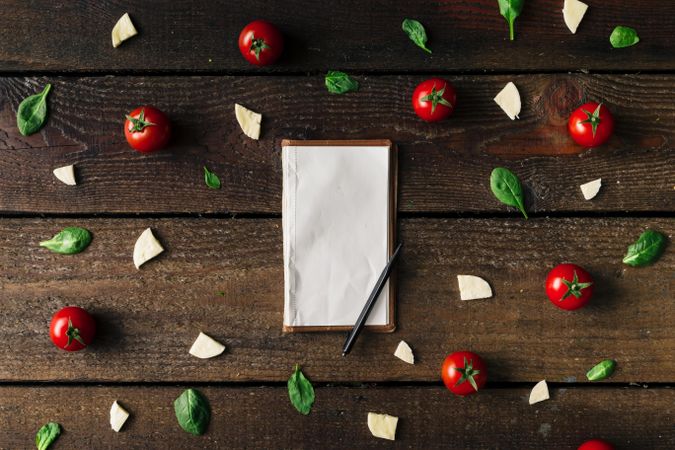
x=593 y=118
x=468 y=372
x=73 y=333
x=258 y=45
x=139 y=123
x=436 y=97
x=574 y=287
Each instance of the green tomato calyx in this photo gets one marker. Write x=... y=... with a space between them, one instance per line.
x=257 y=46
x=73 y=333
x=139 y=123
x=436 y=97
x=574 y=287
x=468 y=372
x=593 y=118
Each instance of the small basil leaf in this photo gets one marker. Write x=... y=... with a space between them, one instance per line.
x=192 y=412
x=510 y=9
x=506 y=187
x=68 y=241
x=47 y=435
x=416 y=33
x=211 y=179
x=623 y=37
x=646 y=249
x=340 y=82
x=32 y=112
x=601 y=370
x=300 y=391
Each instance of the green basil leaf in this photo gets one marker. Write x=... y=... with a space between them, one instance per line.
x=192 y=411
x=47 y=435
x=68 y=241
x=510 y=9
x=211 y=179
x=416 y=33
x=300 y=391
x=601 y=370
x=506 y=187
x=646 y=249
x=623 y=37
x=32 y=112
x=340 y=82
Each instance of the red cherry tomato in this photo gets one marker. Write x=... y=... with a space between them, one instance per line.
x=261 y=43
x=569 y=286
x=464 y=373
x=434 y=99
x=147 y=129
x=72 y=328
x=591 y=124
x=596 y=444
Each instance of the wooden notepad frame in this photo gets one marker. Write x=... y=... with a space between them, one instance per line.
x=390 y=326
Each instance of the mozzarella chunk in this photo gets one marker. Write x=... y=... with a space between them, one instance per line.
x=508 y=99
x=472 y=287
x=382 y=425
x=404 y=353
x=591 y=188
x=118 y=416
x=539 y=392
x=249 y=121
x=123 y=30
x=573 y=12
x=146 y=248
x=205 y=347
x=66 y=174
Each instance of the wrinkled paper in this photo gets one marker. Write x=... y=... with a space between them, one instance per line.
x=335 y=218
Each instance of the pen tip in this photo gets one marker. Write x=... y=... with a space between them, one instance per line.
x=344 y=354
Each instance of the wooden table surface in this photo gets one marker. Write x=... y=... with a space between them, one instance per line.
x=185 y=61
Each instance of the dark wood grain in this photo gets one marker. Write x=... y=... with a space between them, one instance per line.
x=354 y=35
x=225 y=277
x=149 y=318
x=429 y=417
x=443 y=167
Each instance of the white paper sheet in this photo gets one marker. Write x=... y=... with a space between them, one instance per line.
x=335 y=218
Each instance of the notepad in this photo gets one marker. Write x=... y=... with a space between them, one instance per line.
x=338 y=215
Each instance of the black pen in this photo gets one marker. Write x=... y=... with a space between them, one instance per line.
x=361 y=321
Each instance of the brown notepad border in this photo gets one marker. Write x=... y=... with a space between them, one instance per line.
x=393 y=190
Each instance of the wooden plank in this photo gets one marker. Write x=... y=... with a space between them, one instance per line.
x=429 y=417
x=149 y=318
x=443 y=167
x=357 y=35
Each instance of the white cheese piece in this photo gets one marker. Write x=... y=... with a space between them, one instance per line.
x=472 y=287
x=123 y=30
x=573 y=12
x=249 y=121
x=206 y=347
x=146 y=248
x=591 y=188
x=118 y=416
x=539 y=392
x=404 y=353
x=508 y=99
x=382 y=425
x=66 y=174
